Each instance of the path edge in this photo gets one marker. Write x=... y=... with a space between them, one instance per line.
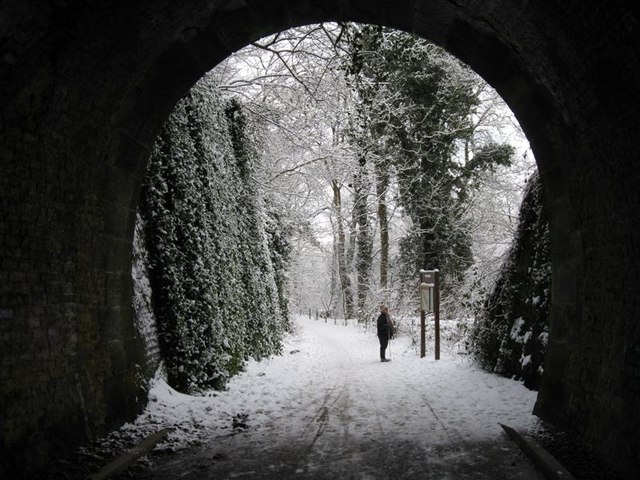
x=125 y=460
x=543 y=460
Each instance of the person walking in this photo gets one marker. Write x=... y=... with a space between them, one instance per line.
x=385 y=331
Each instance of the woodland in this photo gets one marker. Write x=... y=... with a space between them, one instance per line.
x=315 y=172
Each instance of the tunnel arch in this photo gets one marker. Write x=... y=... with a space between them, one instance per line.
x=86 y=87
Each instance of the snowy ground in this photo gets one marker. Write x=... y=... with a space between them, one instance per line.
x=329 y=407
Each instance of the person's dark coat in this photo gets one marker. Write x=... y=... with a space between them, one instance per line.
x=385 y=328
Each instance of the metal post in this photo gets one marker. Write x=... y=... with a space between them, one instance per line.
x=436 y=311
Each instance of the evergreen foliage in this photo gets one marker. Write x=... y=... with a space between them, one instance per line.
x=363 y=237
x=510 y=334
x=417 y=109
x=218 y=259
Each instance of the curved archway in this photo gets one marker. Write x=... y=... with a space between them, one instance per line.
x=85 y=88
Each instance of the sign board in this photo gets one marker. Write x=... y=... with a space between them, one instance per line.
x=428 y=277
x=426 y=297
x=430 y=302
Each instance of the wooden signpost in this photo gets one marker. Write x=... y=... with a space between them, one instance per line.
x=429 y=302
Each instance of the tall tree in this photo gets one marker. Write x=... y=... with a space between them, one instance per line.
x=339 y=248
x=332 y=95
x=363 y=240
x=382 y=187
x=417 y=107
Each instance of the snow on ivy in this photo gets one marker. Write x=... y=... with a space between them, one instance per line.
x=218 y=294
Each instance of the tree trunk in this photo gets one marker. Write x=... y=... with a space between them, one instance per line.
x=345 y=282
x=382 y=184
x=363 y=236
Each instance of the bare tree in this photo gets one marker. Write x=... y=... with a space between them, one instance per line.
x=304 y=107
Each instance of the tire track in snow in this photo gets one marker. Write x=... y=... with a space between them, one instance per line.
x=317 y=425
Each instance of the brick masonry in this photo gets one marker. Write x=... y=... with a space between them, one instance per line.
x=84 y=87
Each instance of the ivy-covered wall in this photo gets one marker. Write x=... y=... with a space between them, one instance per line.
x=219 y=296
x=510 y=335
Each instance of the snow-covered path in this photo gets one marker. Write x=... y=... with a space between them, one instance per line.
x=329 y=408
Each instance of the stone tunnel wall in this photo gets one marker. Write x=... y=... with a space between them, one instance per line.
x=67 y=342
x=68 y=345
x=85 y=86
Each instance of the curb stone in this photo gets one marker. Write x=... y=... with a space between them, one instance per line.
x=543 y=460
